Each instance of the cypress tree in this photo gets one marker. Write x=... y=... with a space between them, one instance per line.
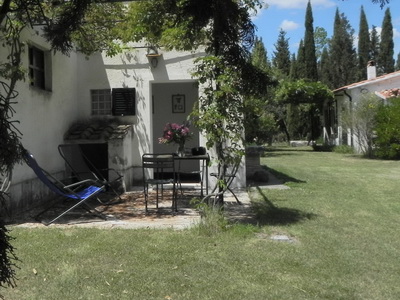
x=325 y=67
x=281 y=59
x=299 y=67
x=293 y=64
x=321 y=42
x=374 y=45
x=310 y=60
x=342 y=54
x=397 y=68
x=363 y=47
x=259 y=55
x=386 y=61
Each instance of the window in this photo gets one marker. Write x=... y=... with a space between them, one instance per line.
x=101 y=102
x=39 y=68
x=118 y=102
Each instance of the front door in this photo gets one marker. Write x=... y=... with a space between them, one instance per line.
x=172 y=103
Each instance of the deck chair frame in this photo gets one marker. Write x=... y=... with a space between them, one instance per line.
x=229 y=177
x=82 y=168
x=80 y=192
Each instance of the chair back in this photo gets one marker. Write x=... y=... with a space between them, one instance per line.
x=77 y=163
x=5 y=180
x=40 y=173
x=162 y=165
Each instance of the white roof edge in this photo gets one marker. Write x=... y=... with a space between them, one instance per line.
x=367 y=82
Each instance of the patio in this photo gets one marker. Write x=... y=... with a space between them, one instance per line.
x=130 y=212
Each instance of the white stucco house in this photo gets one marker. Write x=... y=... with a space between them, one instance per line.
x=381 y=87
x=76 y=99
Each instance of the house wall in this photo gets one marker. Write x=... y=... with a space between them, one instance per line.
x=132 y=69
x=352 y=97
x=45 y=116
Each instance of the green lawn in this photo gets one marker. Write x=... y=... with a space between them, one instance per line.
x=341 y=211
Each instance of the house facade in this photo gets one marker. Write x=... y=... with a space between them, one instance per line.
x=115 y=107
x=346 y=97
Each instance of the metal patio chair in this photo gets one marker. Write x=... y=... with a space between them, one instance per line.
x=79 y=192
x=159 y=170
x=228 y=178
x=82 y=168
x=5 y=180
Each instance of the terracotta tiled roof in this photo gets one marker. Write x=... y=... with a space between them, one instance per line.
x=366 y=82
x=390 y=93
x=97 y=131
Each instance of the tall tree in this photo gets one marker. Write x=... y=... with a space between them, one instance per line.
x=386 y=60
x=259 y=55
x=397 y=68
x=259 y=121
x=292 y=72
x=325 y=68
x=321 y=41
x=281 y=58
x=374 y=45
x=364 y=46
x=342 y=53
x=298 y=71
x=310 y=60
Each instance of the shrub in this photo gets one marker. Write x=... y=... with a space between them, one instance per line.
x=212 y=218
x=388 y=130
x=361 y=118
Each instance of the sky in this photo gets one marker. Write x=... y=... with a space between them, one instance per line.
x=290 y=16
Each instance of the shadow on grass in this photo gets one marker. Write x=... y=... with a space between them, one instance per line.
x=268 y=214
x=270 y=152
x=284 y=178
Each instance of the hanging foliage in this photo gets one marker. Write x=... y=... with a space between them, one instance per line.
x=303 y=91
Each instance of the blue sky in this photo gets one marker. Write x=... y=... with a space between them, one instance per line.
x=290 y=16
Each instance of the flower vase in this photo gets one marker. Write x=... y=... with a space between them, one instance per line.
x=181 y=149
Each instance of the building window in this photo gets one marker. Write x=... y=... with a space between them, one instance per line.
x=118 y=102
x=101 y=102
x=39 y=68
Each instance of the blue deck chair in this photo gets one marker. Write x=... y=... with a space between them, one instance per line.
x=79 y=192
x=82 y=168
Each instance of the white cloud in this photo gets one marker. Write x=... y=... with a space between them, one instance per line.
x=294 y=4
x=396 y=33
x=378 y=30
x=289 y=25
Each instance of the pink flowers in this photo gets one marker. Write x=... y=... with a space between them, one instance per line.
x=175 y=133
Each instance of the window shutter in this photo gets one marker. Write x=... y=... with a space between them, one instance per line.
x=123 y=101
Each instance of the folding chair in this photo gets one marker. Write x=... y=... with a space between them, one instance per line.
x=5 y=180
x=229 y=176
x=79 y=192
x=158 y=170
x=82 y=168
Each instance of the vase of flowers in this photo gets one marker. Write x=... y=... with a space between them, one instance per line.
x=178 y=134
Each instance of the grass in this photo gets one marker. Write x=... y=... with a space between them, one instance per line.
x=341 y=211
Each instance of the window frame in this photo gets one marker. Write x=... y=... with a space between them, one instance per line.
x=99 y=93
x=121 y=101
x=39 y=62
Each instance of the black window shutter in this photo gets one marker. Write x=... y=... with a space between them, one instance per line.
x=123 y=101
